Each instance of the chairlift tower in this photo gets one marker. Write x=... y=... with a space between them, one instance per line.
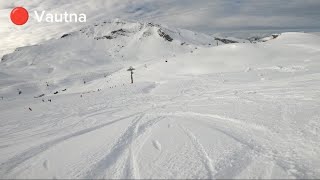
x=131 y=69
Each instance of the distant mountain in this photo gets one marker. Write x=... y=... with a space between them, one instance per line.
x=102 y=43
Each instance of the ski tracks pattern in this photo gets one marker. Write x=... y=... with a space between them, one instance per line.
x=11 y=164
x=206 y=160
x=121 y=161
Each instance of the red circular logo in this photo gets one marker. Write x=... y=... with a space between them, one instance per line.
x=19 y=16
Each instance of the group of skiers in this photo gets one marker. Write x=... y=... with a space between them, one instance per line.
x=56 y=92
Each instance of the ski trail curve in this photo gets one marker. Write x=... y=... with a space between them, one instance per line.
x=10 y=164
x=99 y=169
x=121 y=160
x=207 y=161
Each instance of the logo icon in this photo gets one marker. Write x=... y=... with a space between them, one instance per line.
x=19 y=16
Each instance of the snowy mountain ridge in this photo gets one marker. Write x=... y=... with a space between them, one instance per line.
x=117 y=27
x=96 y=51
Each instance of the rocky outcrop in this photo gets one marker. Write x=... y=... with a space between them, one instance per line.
x=226 y=41
x=164 y=35
x=65 y=35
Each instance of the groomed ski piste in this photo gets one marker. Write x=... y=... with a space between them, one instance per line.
x=195 y=109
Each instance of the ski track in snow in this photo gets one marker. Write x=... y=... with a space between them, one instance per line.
x=124 y=148
x=156 y=145
x=254 y=150
x=201 y=152
x=20 y=158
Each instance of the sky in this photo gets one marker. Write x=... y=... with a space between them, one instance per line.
x=232 y=15
x=203 y=15
x=207 y=16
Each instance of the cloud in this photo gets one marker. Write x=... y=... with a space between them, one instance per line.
x=207 y=16
x=204 y=15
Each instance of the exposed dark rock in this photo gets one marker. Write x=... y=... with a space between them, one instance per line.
x=65 y=35
x=119 y=32
x=4 y=58
x=113 y=34
x=103 y=37
x=226 y=41
x=119 y=22
x=153 y=25
x=254 y=39
x=164 y=35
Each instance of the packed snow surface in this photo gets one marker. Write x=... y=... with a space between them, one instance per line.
x=195 y=110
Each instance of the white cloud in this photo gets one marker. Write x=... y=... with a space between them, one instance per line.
x=200 y=15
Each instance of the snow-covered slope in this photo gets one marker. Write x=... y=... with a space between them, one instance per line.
x=194 y=111
x=92 y=52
